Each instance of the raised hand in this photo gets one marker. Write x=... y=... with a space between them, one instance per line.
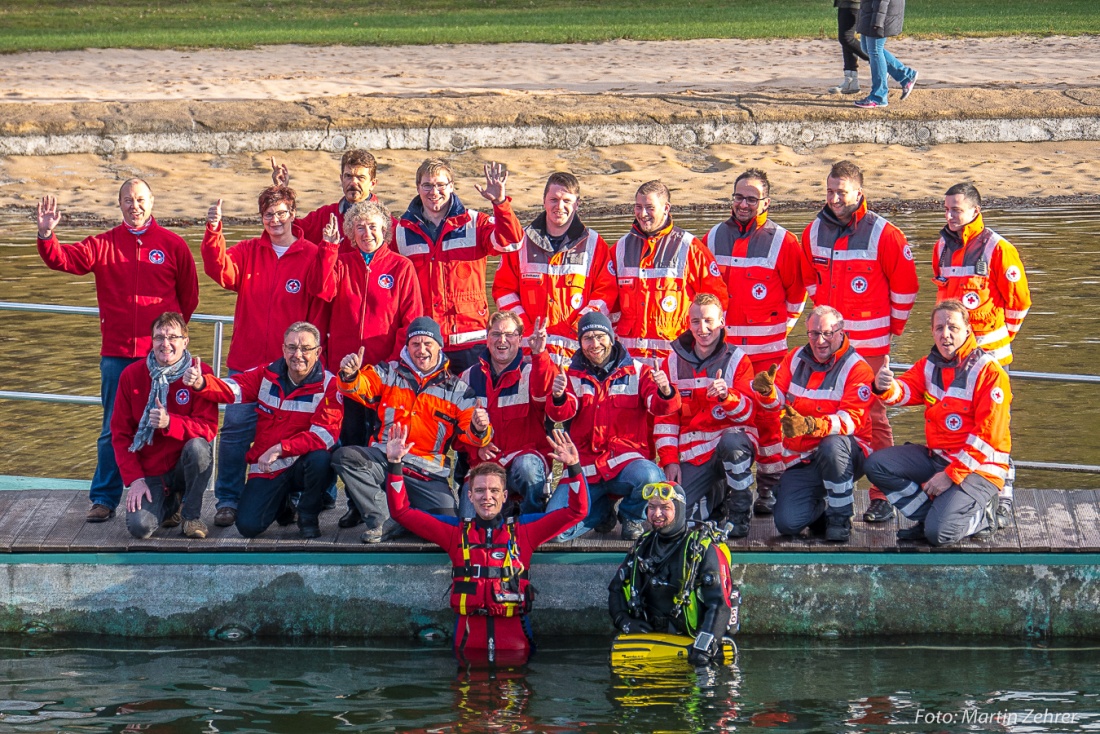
x=564 y=450
x=488 y=453
x=397 y=445
x=537 y=340
x=480 y=419
x=495 y=177
x=214 y=214
x=764 y=382
x=718 y=389
x=280 y=174
x=158 y=416
x=192 y=376
x=332 y=230
x=350 y=365
x=48 y=216
x=884 y=378
x=561 y=381
x=663 y=385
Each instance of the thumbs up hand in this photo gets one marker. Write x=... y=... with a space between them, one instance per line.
x=884 y=378
x=718 y=389
x=480 y=419
x=158 y=416
x=764 y=382
x=794 y=424
x=214 y=215
x=561 y=381
x=350 y=365
x=663 y=385
x=192 y=376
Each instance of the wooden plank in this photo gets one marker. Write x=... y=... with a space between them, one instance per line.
x=1030 y=524
x=1057 y=511
x=60 y=537
x=17 y=514
x=30 y=536
x=871 y=536
x=102 y=537
x=7 y=499
x=1085 y=506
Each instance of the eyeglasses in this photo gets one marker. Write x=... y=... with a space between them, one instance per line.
x=750 y=200
x=428 y=187
x=282 y=215
x=662 y=490
x=496 y=335
x=823 y=334
x=295 y=349
x=160 y=339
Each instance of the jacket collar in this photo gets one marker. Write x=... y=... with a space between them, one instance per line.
x=282 y=375
x=961 y=353
x=619 y=358
x=746 y=229
x=663 y=232
x=827 y=215
x=422 y=378
x=415 y=212
x=539 y=235
x=684 y=346
x=969 y=232
x=838 y=355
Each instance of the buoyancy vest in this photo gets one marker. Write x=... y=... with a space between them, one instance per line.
x=492 y=579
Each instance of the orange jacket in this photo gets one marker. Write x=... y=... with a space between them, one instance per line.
x=560 y=287
x=838 y=391
x=658 y=278
x=984 y=271
x=865 y=270
x=437 y=408
x=966 y=413
x=691 y=434
x=765 y=274
x=451 y=268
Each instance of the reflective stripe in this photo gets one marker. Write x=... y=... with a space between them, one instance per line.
x=902 y=315
x=522 y=395
x=276 y=466
x=406 y=249
x=324 y=435
x=998 y=334
x=665 y=429
x=665 y=442
x=304 y=404
x=563 y=342
x=879 y=341
x=233 y=388
x=507 y=301
x=866 y=324
x=465 y=337
x=658 y=344
x=870 y=253
x=768 y=330
x=902 y=298
x=728 y=260
x=987 y=450
x=468 y=239
x=527 y=265
x=615 y=461
x=678 y=250
x=599 y=304
x=1016 y=315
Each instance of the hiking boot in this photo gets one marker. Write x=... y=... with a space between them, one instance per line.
x=850 y=85
x=1004 y=514
x=194 y=528
x=738 y=525
x=879 y=511
x=907 y=88
x=371 y=536
x=765 y=496
x=632 y=529
x=225 y=517
x=351 y=518
x=309 y=528
x=99 y=513
x=991 y=523
x=914 y=533
x=173 y=520
x=393 y=530
x=838 y=529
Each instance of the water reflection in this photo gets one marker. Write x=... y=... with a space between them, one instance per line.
x=1060 y=247
x=778 y=683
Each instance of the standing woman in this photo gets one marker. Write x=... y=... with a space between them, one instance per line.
x=879 y=20
x=847 y=12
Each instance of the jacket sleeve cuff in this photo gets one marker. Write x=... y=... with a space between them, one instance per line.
x=573 y=470
x=394 y=468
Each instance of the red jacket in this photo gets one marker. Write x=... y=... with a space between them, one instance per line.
x=137 y=278
x=838 y=392
x=300 y=418
x=474 y=549
x=966 y=414
x=452 y=267
x=558 y=287
x=691 y=434
x=865 y=270
x=516 y=402
x=188 y=418
x=659 y=276
x=765 y=273
x=369 y=307
x=272 y=292
x=611 y=409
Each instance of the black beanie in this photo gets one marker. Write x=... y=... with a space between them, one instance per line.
x=595 y=321
x=424 y=326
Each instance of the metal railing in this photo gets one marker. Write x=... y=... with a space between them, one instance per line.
x=219 y=327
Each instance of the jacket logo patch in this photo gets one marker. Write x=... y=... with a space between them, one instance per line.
x=760 y=291
x=576 y=301
x=864 y=392
x=156 y=257
x=1013 y=274
x=997 y=395
x=385 y=281
x=953 y=422
x=669 y=304
x=264 y=409
x=859 y=284
x=183 y=396
x=971 y=300
x=611 y=267
x=532 y=276
x=713 y=268
x=293 y=285
x=907 y=252
x=497 y=555
x=718 y=413
x=626 y=282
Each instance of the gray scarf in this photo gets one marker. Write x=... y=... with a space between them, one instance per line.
x=161 y=377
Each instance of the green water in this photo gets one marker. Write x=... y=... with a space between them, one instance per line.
x=1051 y=422
x=111 y=685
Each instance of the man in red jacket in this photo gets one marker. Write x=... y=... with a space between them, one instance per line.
x=449 y=244
x=490 y=551
x=299 y=413
x=513 y=389
x=141 y=270
x=358 y=175
x=862 y=266
x=269 y=273
x=162 y=436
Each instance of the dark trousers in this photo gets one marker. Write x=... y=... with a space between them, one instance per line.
x=364 y=471
x=822 y=486
x=265 y=497
x=948 y=518
x=725 y=480
x=846 y=34
x=185 y=483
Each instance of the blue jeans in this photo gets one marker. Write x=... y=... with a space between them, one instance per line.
x=526 y=477
x=883 y=63
x=106 y=486
x=234 y=439
x=601 y=497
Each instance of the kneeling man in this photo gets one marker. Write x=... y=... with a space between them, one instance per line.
x=950 y=487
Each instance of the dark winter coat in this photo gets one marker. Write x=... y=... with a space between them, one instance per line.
x=881 y=18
